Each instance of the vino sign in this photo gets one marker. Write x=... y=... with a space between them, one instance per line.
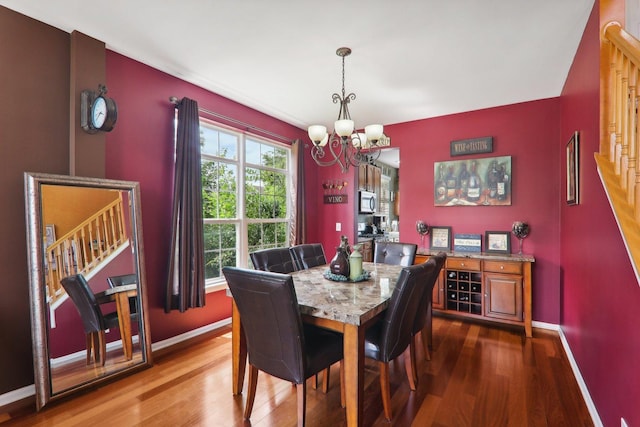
x=473 y=182
x=335 y=199
x=472 y=146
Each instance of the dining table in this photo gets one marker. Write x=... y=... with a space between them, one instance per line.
x=120 y=295
x=348 y=307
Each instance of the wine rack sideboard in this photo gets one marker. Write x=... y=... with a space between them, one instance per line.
x=491 y=287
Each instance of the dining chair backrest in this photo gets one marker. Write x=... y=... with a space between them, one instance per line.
x=308 y=255
x=277 y=341
x=78 y=289
x=395 y=253
x=432 y=267
x=397 y=325
x=277 y=260
x=122 y=280
x=271 y=321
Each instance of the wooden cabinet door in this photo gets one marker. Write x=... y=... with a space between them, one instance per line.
x=503 y=296
x=369 y=178
x=362 y=177
x=375 y=180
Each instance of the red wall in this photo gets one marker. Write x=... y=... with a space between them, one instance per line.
x=528 y=132
x=600 y=291
x=140 y=148
x=323 y=227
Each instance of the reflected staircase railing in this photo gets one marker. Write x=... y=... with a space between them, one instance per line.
x=619 y=152
x=83 y=249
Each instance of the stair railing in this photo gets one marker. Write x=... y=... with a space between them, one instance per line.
x=617 y=159
x=82 y=249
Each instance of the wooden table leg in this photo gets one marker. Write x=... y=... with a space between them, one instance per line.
x=238 y=350
x=124 y=322
x=354 y=373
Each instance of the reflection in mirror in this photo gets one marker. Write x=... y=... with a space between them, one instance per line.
x=87 y=286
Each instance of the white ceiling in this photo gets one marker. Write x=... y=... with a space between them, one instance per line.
x=411 y=59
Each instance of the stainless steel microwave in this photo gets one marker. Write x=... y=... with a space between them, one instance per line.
x=367 y=202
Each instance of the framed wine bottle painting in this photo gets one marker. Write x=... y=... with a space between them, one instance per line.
x=473 y=182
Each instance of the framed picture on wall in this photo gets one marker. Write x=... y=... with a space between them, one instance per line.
x=573 y=170
x=473 y=182
x=49 y=239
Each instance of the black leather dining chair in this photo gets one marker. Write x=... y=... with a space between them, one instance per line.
x=391 y=336
x=422 y=323
x=308 y=255
x=395 y=253
x=94 y=322
x=278 y=343
x=277 y=260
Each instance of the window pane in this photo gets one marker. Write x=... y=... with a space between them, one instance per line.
x=280 y=159
x=267 y=235
x=218 y=143
x=282 y=233
x=219 y=248
x=219 y=188
x=252 y=152
x=266 y=194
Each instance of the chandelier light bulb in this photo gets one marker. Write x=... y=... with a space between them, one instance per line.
x=344 y=127
x=317 y=133
x=359 y=140
x=373 y=132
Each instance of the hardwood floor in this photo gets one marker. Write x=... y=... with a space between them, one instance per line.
x=478 y=376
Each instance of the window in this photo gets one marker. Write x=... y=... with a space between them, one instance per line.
x=245 y=197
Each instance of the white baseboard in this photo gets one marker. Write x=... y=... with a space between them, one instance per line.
x=583 y=386
x=191 y=334
x=545 y=325
x=15 y=395
x=30 y=390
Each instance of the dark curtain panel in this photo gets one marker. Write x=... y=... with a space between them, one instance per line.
x=185 y=285
x=299 y=226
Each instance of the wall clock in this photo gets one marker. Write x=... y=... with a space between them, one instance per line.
x=97 y=111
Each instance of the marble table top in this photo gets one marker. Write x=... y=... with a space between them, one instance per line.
x=347 y=302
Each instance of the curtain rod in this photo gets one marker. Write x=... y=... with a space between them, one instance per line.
x=175 y=101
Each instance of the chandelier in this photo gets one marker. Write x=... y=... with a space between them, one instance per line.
x=344 y=146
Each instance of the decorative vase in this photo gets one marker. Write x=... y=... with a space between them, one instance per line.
x=355 y=263
x=340 y=262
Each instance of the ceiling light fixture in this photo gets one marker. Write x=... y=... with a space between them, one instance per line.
x=346 y=147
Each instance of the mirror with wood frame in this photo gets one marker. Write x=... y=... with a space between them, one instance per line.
x=87 y=284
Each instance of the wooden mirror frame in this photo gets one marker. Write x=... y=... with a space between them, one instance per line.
x=37 y=286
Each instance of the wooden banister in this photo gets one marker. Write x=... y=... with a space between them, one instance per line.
x=82 y=249
x=617 y=159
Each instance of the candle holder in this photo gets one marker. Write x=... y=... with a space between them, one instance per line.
x=521 y=230
x=423 y=229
